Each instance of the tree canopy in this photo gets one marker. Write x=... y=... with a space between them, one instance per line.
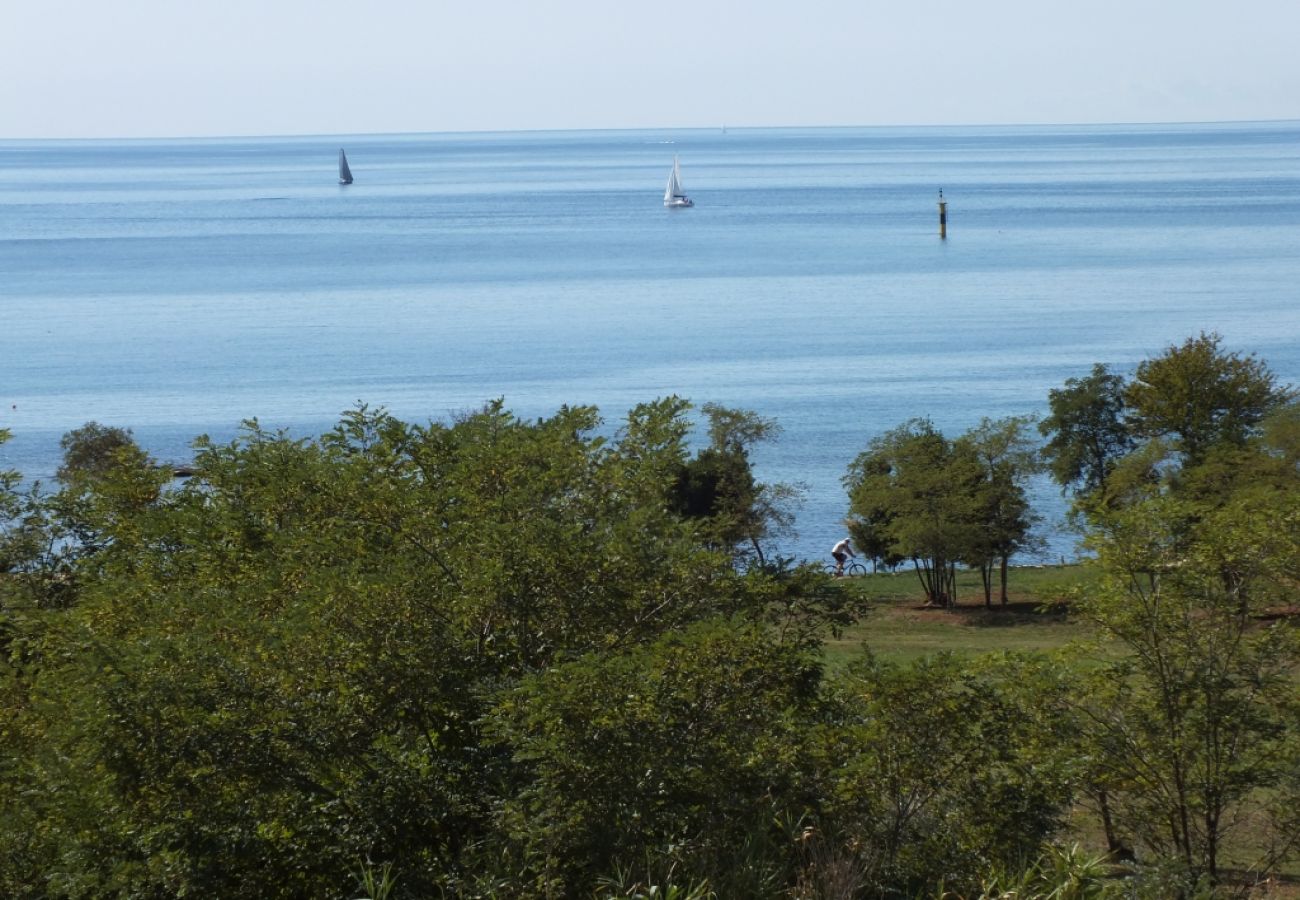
x=1086 y=430
x=493 y=657
x=717 y=490
x=1200 y=395
x=293 y=662
x=915 y=494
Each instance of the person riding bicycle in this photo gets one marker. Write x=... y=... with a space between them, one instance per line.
x=842 y=551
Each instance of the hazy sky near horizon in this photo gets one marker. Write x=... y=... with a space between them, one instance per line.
x=133 y=68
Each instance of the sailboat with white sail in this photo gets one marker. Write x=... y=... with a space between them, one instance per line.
x=674 y=196
x=345 y=174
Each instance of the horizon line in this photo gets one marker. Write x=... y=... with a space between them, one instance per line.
x=644 y=128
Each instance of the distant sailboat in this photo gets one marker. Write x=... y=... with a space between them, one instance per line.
x=345 y=174
x=674 y=196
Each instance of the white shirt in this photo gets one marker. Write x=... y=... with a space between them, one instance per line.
x=842 y=547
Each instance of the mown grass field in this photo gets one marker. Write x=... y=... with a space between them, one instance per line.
x=897 y=625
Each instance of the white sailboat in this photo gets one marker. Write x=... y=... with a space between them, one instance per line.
x=674 y=196
x=345 y=174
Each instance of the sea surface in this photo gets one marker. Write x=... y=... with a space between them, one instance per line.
x=178 y=287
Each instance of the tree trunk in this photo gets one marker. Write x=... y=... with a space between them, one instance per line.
x=1119 y=851
x=927 y=584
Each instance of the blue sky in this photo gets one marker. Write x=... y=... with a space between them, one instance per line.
x=105 y=68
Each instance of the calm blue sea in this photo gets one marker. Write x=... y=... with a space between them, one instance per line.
x=176 y=287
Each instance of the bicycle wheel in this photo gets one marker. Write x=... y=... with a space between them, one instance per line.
x=855 y=569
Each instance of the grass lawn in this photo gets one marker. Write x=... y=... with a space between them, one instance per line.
x=898 y=626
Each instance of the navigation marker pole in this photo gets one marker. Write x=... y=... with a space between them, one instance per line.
x=943 y=216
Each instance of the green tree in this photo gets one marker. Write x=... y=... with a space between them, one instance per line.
x=869 y=525
x=1199 y=396
x=1009 y=458
x=1229 y=505
x=926 y=494
x=936 y=771
x=105 y=479
x=1086 y=430
x=92 y=450
x=717 y=488
x=1192 y=731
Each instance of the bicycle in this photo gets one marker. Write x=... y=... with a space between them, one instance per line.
x=851 y=569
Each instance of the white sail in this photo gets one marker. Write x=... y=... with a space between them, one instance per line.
x=345 y=174
x=674 y=184
x=673 y=193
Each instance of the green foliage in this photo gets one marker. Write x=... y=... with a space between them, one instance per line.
x=1194 y=405
x=29 y=546
x=21 y=845
x=492 y=657
x=939 y=769
x=11 y=507
x=377 y=884
x=1191 y=732
x=1280 y=434
x=9 y=479
x=1086 y=430
x=738 y=429
x=932 y=500
x=1009 y=458
x=1060 y=873
x=1200 y=396
x=107 y=480
x=285 y=664
x=661 y=886
x=716 y=489
x=685 y=743
x=1198 y=532
x=913 y=476
x=870 y=535
x=92 y=450
x=1188 y=480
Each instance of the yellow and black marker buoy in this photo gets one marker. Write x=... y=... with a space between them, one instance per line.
x=943 y=216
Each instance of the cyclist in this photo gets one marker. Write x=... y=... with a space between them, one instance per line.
x=842 y=551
